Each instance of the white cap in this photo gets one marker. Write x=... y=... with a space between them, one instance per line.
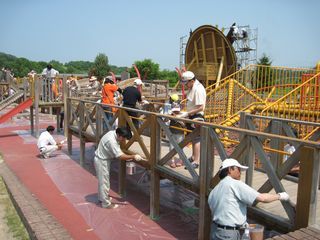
x=176 y=109
x=138 y=82
x=230 y=162
x=93 y=78
x=188 y=75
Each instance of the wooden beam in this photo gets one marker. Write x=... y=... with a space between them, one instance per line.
x=205 y=174
x=82 y=139
x=155 y=177
x=307 y=188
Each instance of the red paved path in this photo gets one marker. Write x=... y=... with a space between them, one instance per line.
x=69 y=194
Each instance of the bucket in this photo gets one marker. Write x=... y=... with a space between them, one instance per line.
x=256 y=231
x=131 y=168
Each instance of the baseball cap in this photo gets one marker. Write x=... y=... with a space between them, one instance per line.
x=187 y=76
x=230 y=162
x=176 y=109
x=138 y=82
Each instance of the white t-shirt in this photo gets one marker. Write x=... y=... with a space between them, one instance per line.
x=50 y=73
x=228 y=201
x=289 y=149
x=108 y=148
x=196 y=96
x=45 y=139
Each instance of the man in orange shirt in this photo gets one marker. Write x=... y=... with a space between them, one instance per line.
x=108 y=90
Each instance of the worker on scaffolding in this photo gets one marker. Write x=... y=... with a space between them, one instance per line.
x=229 y=199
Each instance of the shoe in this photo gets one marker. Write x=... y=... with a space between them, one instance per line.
x=194 y=165
x=173 y=165
x=45 y=156
x=190 y=159
x=179 y=162
x=110 y=206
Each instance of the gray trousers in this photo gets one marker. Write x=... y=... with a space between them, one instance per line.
x=103 y=174
x=223 y=234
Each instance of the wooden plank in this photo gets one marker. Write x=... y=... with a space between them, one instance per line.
x=82 y=140
x=36 y=104
x=306 y=189
x=155 y=177
x=204 y=180
x=276 y=158
x=196 y=56
x=204 y=57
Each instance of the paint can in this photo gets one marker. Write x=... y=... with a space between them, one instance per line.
x=256 y=231
x=131 y=168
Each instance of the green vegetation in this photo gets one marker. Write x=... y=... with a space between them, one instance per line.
x=149 y=70
x=11 y=217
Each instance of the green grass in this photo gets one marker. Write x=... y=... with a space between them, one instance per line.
x=11 y=217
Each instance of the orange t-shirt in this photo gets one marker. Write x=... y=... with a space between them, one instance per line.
x=108 y=94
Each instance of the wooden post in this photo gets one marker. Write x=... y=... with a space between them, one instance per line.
x=36 y=103
x=67 y=123
x=276 y=144
x=249 y=152
x=58 y=110
x=31 y=120
x=205 y=175
x=82 y=140
x=307 y=188
x=99 y=129
x=155 y=150
x=66 y=94
x=122 y=164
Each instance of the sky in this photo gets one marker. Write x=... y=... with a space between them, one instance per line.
x=128 y=31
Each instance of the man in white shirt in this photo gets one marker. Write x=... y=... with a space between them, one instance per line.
x=49 y=72
x=229 y=199
x=47 y=144
x=108 y=150
x=196 y=103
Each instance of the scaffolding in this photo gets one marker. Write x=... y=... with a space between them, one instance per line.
x=183 y=43
x=245 y=46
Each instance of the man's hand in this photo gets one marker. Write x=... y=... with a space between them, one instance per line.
x=59 y=146
x=283 y=196
x=137 y=157
x=183 y=115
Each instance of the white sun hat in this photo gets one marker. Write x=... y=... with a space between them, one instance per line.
x=230 y=162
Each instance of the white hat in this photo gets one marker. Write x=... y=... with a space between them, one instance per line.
x=230 y=162
x=138 y=82
x=93 y=78
x=187 y=76
x=176 y=109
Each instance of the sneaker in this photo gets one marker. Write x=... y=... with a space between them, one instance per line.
x=194 y=165
x=45 y=156
x=110 y=206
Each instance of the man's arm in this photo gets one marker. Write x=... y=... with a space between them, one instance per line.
x=271 y=197
x=126 y=157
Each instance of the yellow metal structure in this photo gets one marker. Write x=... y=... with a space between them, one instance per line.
x=291 y=93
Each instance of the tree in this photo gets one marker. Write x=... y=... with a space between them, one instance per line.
x=100 y=67
x=147 y=68
x=263 y=73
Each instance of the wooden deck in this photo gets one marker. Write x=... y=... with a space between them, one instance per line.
x=259 y=178
x=303 y=233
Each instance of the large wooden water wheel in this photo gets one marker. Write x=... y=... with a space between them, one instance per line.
x=208 y=50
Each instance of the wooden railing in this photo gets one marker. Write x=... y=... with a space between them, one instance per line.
x=85 y=119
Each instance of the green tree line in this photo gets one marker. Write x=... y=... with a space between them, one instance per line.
x=149 y=70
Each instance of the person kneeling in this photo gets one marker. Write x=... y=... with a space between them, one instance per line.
x=47 y=144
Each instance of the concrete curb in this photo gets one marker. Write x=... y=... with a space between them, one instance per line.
x=40 y=224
